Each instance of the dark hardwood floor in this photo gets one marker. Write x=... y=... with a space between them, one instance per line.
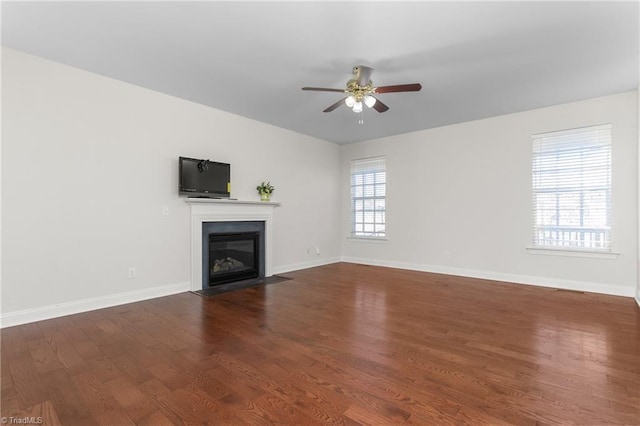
x=344 y=344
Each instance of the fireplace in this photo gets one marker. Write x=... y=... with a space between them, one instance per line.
x=232 y=251
x=233 y=257
x=208 y=215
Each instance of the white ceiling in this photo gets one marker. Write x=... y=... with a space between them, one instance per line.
x=473 y=59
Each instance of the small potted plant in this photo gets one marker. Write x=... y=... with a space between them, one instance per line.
x=265 y=190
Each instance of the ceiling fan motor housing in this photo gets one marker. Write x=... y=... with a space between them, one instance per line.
x=362 y=74
x=360 y=85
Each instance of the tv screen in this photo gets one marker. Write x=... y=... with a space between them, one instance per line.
x=204 y=178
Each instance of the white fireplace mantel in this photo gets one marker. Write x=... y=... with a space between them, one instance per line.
x=214 y=210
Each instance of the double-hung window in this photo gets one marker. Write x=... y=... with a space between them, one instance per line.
x=572 y=189
x=368 y=197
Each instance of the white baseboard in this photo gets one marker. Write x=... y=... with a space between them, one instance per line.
x=304 y=265
x=8 y=319
x=638 y=296
x=499 y=276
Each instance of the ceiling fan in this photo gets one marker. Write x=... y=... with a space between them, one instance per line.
x=360 y=90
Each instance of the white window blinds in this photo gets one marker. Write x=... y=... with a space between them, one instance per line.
x=368 y=202
x=572 y=189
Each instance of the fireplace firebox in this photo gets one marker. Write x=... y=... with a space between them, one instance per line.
x=232 y=251
x=233 y=257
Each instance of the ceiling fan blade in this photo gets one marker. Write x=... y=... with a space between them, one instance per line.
x=336 y=105
x=379 y=106
x=415 y=87
x=323 y=89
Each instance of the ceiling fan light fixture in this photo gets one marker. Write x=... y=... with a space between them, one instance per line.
x=357 y=107
x=369 y=101
x=350 y=101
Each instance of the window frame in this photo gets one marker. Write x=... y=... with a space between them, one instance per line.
x=573 y=246
x=370 y=176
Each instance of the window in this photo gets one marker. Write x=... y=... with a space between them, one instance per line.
x=368 y=192
x=572 y=189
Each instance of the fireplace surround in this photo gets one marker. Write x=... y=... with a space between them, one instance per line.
x=205 y=211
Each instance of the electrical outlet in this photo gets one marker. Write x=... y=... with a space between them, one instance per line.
x=132 y=272
x=165 y=210
x=318 y=250
x=308 y=250
x=446 y=253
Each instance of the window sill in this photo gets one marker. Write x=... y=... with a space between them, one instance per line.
x=367 y=239
x=573 y=253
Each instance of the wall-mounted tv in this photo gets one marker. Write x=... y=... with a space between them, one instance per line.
x=204 y=178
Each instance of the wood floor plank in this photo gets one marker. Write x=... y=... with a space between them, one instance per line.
x=131 y=398
x=163 y=399
x=67 y=398
x=31 y=332
x=28 y=384
x=366 y=416
x=13 y=343
x=313 y=403
x=247 y=412
x=94 y=394
x=104 y=368
x=340 y=344
x=10 y=404
x=196 y=407
x=282 y=411
x=155 y=419
x=67 y=354
x=213 y=387
x=42 y=413
x=43 y=356
x=131 y=368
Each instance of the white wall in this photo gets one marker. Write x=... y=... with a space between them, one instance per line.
x=465 y=189
x=637 y=296
x=87 y=165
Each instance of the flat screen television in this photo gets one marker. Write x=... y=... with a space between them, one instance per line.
x=204 y=178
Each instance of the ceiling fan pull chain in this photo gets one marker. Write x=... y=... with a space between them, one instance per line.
x=361 y=119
